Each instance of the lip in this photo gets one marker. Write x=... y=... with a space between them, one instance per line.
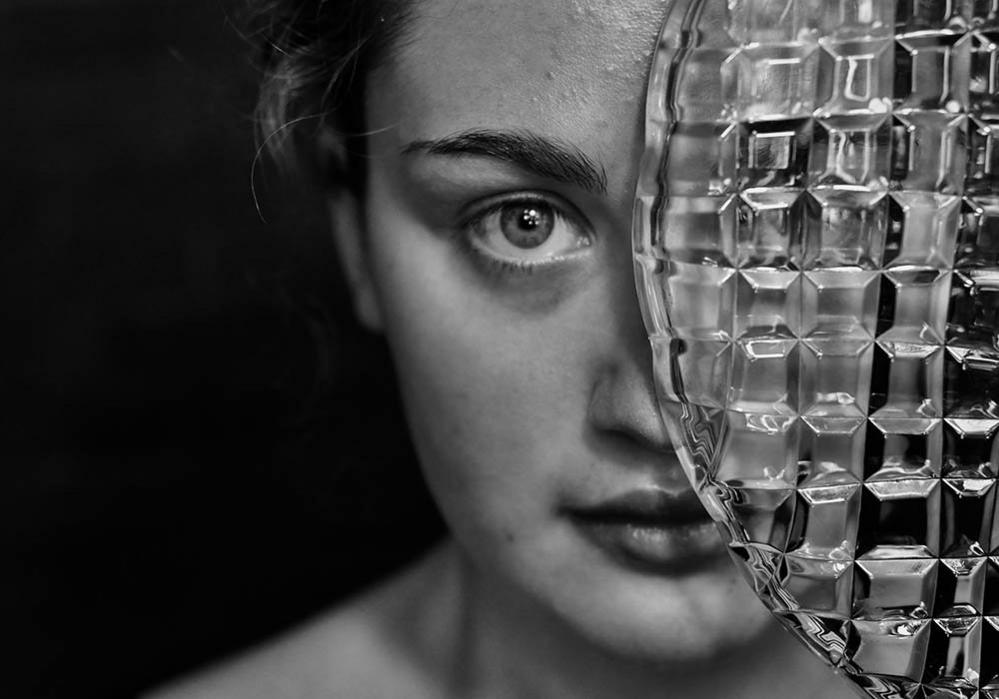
x=652 y=531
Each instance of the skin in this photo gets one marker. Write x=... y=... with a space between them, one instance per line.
x=525 y=391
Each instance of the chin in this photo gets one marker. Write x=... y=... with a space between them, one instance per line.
x=663 y=620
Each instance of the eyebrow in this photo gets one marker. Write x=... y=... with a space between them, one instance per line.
x=547 y=157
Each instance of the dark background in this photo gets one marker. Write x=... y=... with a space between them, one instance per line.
x=200 y=447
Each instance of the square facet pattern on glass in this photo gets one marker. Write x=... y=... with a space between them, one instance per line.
x=817 y=252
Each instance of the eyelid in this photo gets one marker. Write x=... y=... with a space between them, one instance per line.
x=563 y=208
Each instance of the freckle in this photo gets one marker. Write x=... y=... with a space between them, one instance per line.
x=550 y=75
x=509 y=537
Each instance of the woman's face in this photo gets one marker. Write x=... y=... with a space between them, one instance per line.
x=505 y=148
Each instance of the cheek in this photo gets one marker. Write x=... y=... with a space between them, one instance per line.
x=496 y=398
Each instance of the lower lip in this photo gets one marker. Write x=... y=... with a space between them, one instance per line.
x=657 y=549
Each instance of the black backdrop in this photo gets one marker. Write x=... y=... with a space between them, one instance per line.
x=200 y=447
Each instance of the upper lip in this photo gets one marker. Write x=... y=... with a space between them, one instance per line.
x=652 y=507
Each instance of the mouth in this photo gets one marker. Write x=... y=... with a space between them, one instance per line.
x=651 y=531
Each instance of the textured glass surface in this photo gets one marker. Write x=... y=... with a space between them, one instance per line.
x=817 y=251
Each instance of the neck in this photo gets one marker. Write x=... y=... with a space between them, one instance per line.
x=502 y=644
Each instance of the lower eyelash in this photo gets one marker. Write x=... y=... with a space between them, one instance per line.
x=511 y=267
x=491 y=263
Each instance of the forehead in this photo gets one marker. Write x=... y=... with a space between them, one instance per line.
x=574 y=69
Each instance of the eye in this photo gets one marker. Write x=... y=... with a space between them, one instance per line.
x=527 y=233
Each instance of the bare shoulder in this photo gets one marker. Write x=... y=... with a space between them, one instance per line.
x=367 y=647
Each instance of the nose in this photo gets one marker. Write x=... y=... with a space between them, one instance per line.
x=623 y=399
x=623 y=403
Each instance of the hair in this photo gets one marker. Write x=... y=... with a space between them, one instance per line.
x=315 y=56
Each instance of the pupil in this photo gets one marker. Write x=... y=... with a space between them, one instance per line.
x=527 y=226
x=529 y=219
